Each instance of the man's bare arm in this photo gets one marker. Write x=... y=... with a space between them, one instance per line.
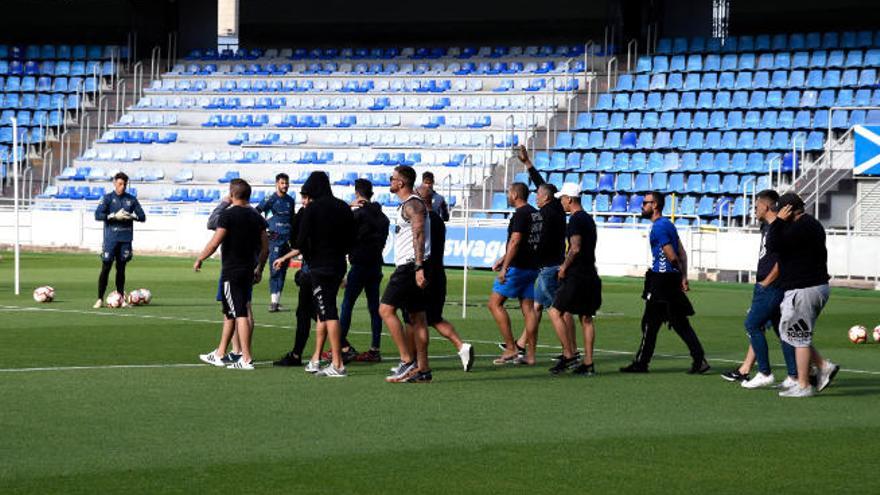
x=210 y=248
x=574 y=247
x=512 y=248
x=415 y=212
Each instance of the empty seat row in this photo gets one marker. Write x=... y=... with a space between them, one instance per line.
x=387 y=53
x=109 y=155
x=706 y=162
x=691 y=140
x=50 y=68
x=797 y=79
x=837 y=59
x=60 y=52
x=327 y=68
x=48 y=85
x=25 y=136
x=726 y=100
x=427 y=140
x=725 y=120
x=767 y=42
x=322 y=158
x=140 y=137
x=145 y=120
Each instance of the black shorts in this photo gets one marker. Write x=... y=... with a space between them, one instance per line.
x=325 y=288
x=435 y=298
x=236 y=295
x=579 y=295
x=402 y=291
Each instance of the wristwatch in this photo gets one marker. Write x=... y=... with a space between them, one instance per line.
x=419 y=267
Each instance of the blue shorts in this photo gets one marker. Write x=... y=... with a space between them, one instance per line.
x=520 y=284
x=119 y=251
x=220 y=298
x=546 y=285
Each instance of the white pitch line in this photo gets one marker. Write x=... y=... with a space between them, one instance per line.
x=268 y=325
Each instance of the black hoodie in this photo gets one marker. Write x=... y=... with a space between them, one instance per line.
x=372 y=232
x=326 y=231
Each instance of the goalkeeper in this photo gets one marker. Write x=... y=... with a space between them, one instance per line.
x=118 y=210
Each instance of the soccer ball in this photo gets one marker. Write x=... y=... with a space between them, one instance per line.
x=135 y=298
x=114 y=300
x=858 y=334
x=876 y=333
x=146 y=296
x=44 y=294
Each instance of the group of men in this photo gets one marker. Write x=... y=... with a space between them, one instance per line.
x=549 y=263
x=334 y=239
x=542 y=273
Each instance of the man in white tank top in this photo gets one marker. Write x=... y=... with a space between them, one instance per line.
x=405 y=289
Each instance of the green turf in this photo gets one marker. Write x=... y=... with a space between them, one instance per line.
x=495 y=430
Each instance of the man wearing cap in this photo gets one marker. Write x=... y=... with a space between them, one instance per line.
x=665 y=291
x=799 y=241
x=580 y=289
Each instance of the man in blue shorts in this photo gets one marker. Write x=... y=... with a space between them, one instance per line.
x=517 y=272
x=118 y=210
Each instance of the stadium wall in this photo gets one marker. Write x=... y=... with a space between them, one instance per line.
x=620 y=251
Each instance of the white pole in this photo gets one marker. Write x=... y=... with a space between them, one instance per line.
x=15 y=193
x=467 y=217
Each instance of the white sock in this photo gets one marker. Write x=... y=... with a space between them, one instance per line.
x=275 y=296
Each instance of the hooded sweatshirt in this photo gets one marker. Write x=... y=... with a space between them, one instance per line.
x=326 y=232
x=372 y=232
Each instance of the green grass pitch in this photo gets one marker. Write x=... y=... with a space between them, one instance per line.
x=95 y=423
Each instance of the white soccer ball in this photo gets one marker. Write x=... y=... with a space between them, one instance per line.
x=135 y=298
x=146 y=296
x=858 y=334
x=876 y=334
x=114 y=300
x=44 y=294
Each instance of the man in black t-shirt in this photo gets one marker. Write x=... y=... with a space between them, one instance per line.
x=517 y=271
x=241 y=232
x=799 y=241
x=580 y=289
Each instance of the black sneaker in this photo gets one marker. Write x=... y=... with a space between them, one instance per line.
x=230 y=358
x=562 y=365
x=274 y=308
x=584 y=370
x=349 y=355
x=634 y=367
x=699 y=368
x=735 y=376
x=421 y=377
x=289 y=359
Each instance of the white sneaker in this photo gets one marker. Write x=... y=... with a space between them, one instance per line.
x=759 y=380
x=98 y=304
x=313 y=367
x=825 y=375
x=787 y=383
x=332 y=372
x=213 y=359
x=797 y=391
x=124 y=304
x=466 y=353
x=241 y=364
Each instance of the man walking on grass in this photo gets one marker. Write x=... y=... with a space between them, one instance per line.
x=799 y=241
x=580 y=289
x=517 y=271
x=665 y=291
x=406 y=287
x=279 y=208
x=241 y=232
x=764 y=310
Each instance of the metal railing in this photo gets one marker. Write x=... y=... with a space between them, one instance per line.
x=172 y=51
x=823 y=163
x=119 y=94
x=632 y=52
x=611 y=62
x=155 y=62
x=138 y=80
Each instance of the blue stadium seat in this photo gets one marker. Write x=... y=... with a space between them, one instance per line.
x=606 y=182
x=676 y=183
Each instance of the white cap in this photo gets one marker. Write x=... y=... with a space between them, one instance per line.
x=569 y=189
